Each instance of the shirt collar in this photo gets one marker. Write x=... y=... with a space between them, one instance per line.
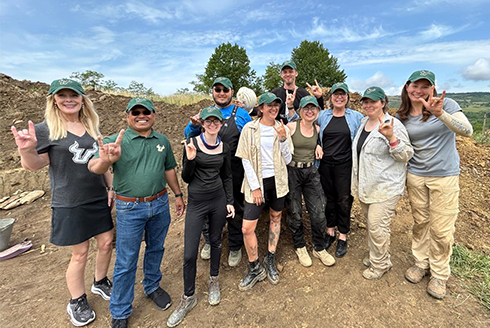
x=133 y=135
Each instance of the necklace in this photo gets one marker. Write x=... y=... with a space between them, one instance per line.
x=72 y=124
x=208 y=146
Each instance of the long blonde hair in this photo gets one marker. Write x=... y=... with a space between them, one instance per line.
x=56 y=123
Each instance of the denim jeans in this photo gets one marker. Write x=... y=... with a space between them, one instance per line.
x=134 y=219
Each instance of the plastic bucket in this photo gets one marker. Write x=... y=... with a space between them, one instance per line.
x=6 y=226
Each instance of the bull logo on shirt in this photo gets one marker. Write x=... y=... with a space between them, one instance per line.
x=82 y=155
x=160 y=148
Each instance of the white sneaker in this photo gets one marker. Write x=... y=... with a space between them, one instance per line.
x=303 y=256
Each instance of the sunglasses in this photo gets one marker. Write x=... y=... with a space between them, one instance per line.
x=214 y=121
x=218 y=89
x=137 y=112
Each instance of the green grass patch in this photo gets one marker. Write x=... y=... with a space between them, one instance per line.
x=473 y=268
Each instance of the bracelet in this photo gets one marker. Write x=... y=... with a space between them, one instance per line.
x=179 y=195
x=393 y=144
x=109 y=188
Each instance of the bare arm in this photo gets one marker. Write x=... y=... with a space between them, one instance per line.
x=173 y=183
x=26 y=142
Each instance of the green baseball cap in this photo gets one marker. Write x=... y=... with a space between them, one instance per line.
x=288 y=63
x=139 y=101
x=268 y=98
x=423 y=74
x=211 y=111
x=374 y=93
x=57 y=85
x=308 y=100
x=224 y=81
x=339 y=85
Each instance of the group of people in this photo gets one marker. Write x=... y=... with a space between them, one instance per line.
x=234 y=167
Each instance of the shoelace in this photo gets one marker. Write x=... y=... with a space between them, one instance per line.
x=82 y=305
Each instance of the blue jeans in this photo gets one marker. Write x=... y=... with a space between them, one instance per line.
x=134 y=218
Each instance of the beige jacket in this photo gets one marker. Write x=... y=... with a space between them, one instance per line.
x=249 y=148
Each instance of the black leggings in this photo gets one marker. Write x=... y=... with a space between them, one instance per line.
x=212 y=205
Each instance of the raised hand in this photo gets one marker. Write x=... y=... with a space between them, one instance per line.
x=316 y=90
x=239 y=103
x=434 y=105
x=111 y=152
x=290 y=98
x=195 y=119
x=386 y=129
x=281 y=132
x=25 y=139
x=190 y=150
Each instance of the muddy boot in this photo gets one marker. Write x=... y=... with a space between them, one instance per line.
x=256 y=272
x=437 y=288
x=214 y=295
x=270 y=267
x=186 y=304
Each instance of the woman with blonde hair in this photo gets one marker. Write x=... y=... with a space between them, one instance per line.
x=80 y=203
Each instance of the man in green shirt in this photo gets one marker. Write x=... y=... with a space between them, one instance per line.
x=143 y=164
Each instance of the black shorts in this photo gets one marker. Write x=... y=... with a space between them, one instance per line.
x=74 y=225
x=252 y=211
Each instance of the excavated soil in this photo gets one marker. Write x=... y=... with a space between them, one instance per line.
x=33 y=291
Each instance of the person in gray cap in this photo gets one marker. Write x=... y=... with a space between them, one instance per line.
x=290 y=94
x=143 y=164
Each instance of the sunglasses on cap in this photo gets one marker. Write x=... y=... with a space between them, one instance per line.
x=218 y=89
x=137 y=112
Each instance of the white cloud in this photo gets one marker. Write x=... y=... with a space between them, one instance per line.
x=436 y=31
x=148 y=13
x=479 y=71
x=378 y=80
x=103 y=35
x=75 y=9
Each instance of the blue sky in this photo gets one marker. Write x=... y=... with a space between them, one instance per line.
x=164 y=44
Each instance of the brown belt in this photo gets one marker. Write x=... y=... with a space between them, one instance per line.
x=301 y=165
x=141 y=199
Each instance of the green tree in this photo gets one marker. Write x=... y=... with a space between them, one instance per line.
x=315 y=62
x=139 y=89
x=109 y=85
x=230 y=61
x=88 y=78
x=272 y=76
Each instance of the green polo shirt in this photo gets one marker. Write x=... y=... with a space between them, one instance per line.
x=140 y=171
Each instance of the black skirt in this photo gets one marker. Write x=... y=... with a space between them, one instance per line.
x=72 y=226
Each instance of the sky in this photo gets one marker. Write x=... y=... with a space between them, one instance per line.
x=164 y=44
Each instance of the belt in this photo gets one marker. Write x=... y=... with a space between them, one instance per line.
x=301 y=165
x=141 y=199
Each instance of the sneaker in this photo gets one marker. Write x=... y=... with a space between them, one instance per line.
x=329 y=240
x=214 y=296
x=341 y=248
x=437 y=288
x=161 y=299
x=206 y=252
x=303 y=256
x=366 y=261
x=415 y=274
x=270 y=267
x=186 y=304
x=103 y=288
x=234 y=258
x=119 y=323
x=80 y=312
x=326 y=258
x=374 y=274
x=255 y=273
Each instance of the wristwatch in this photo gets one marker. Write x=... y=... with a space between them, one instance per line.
x=179 y=195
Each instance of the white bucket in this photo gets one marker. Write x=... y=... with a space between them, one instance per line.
x=6 y=226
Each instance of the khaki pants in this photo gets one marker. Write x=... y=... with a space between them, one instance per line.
x=379 y=217
x=434 y=202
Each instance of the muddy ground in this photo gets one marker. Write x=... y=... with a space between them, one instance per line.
x=33 y=291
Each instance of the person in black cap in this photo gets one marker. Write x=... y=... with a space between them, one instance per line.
x=290 y=94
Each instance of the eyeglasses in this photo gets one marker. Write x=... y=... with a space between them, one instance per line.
x=340 y=94
x=309 y=109
x=209 y=122
x=137 y=112
x=218 y=90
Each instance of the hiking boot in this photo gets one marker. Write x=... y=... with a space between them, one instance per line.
x=119 y=323
x=437 y=288
x=303 y=256
x=206 y=252
x=341 y=248
x=80 y=312
x=270 y=267
x=366 y=261
x=214 y=293
x=161 y=299
x=255 y=273
x=415 y=274
x=103 y=288
x=234 y=258
x=326 y=258
x=374 y=274
x=329 y=240
x=186 y=304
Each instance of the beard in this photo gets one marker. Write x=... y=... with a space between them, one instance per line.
x=222 y=104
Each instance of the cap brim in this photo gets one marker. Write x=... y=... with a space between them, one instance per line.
x=65 y=87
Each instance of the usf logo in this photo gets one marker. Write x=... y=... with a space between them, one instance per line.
x=160 y=148
x=82 y=155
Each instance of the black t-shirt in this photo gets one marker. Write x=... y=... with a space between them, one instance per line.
x=360 y=142
x=336 y=141
x=300 y=93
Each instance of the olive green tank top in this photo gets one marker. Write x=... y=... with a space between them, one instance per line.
x=304 y=148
